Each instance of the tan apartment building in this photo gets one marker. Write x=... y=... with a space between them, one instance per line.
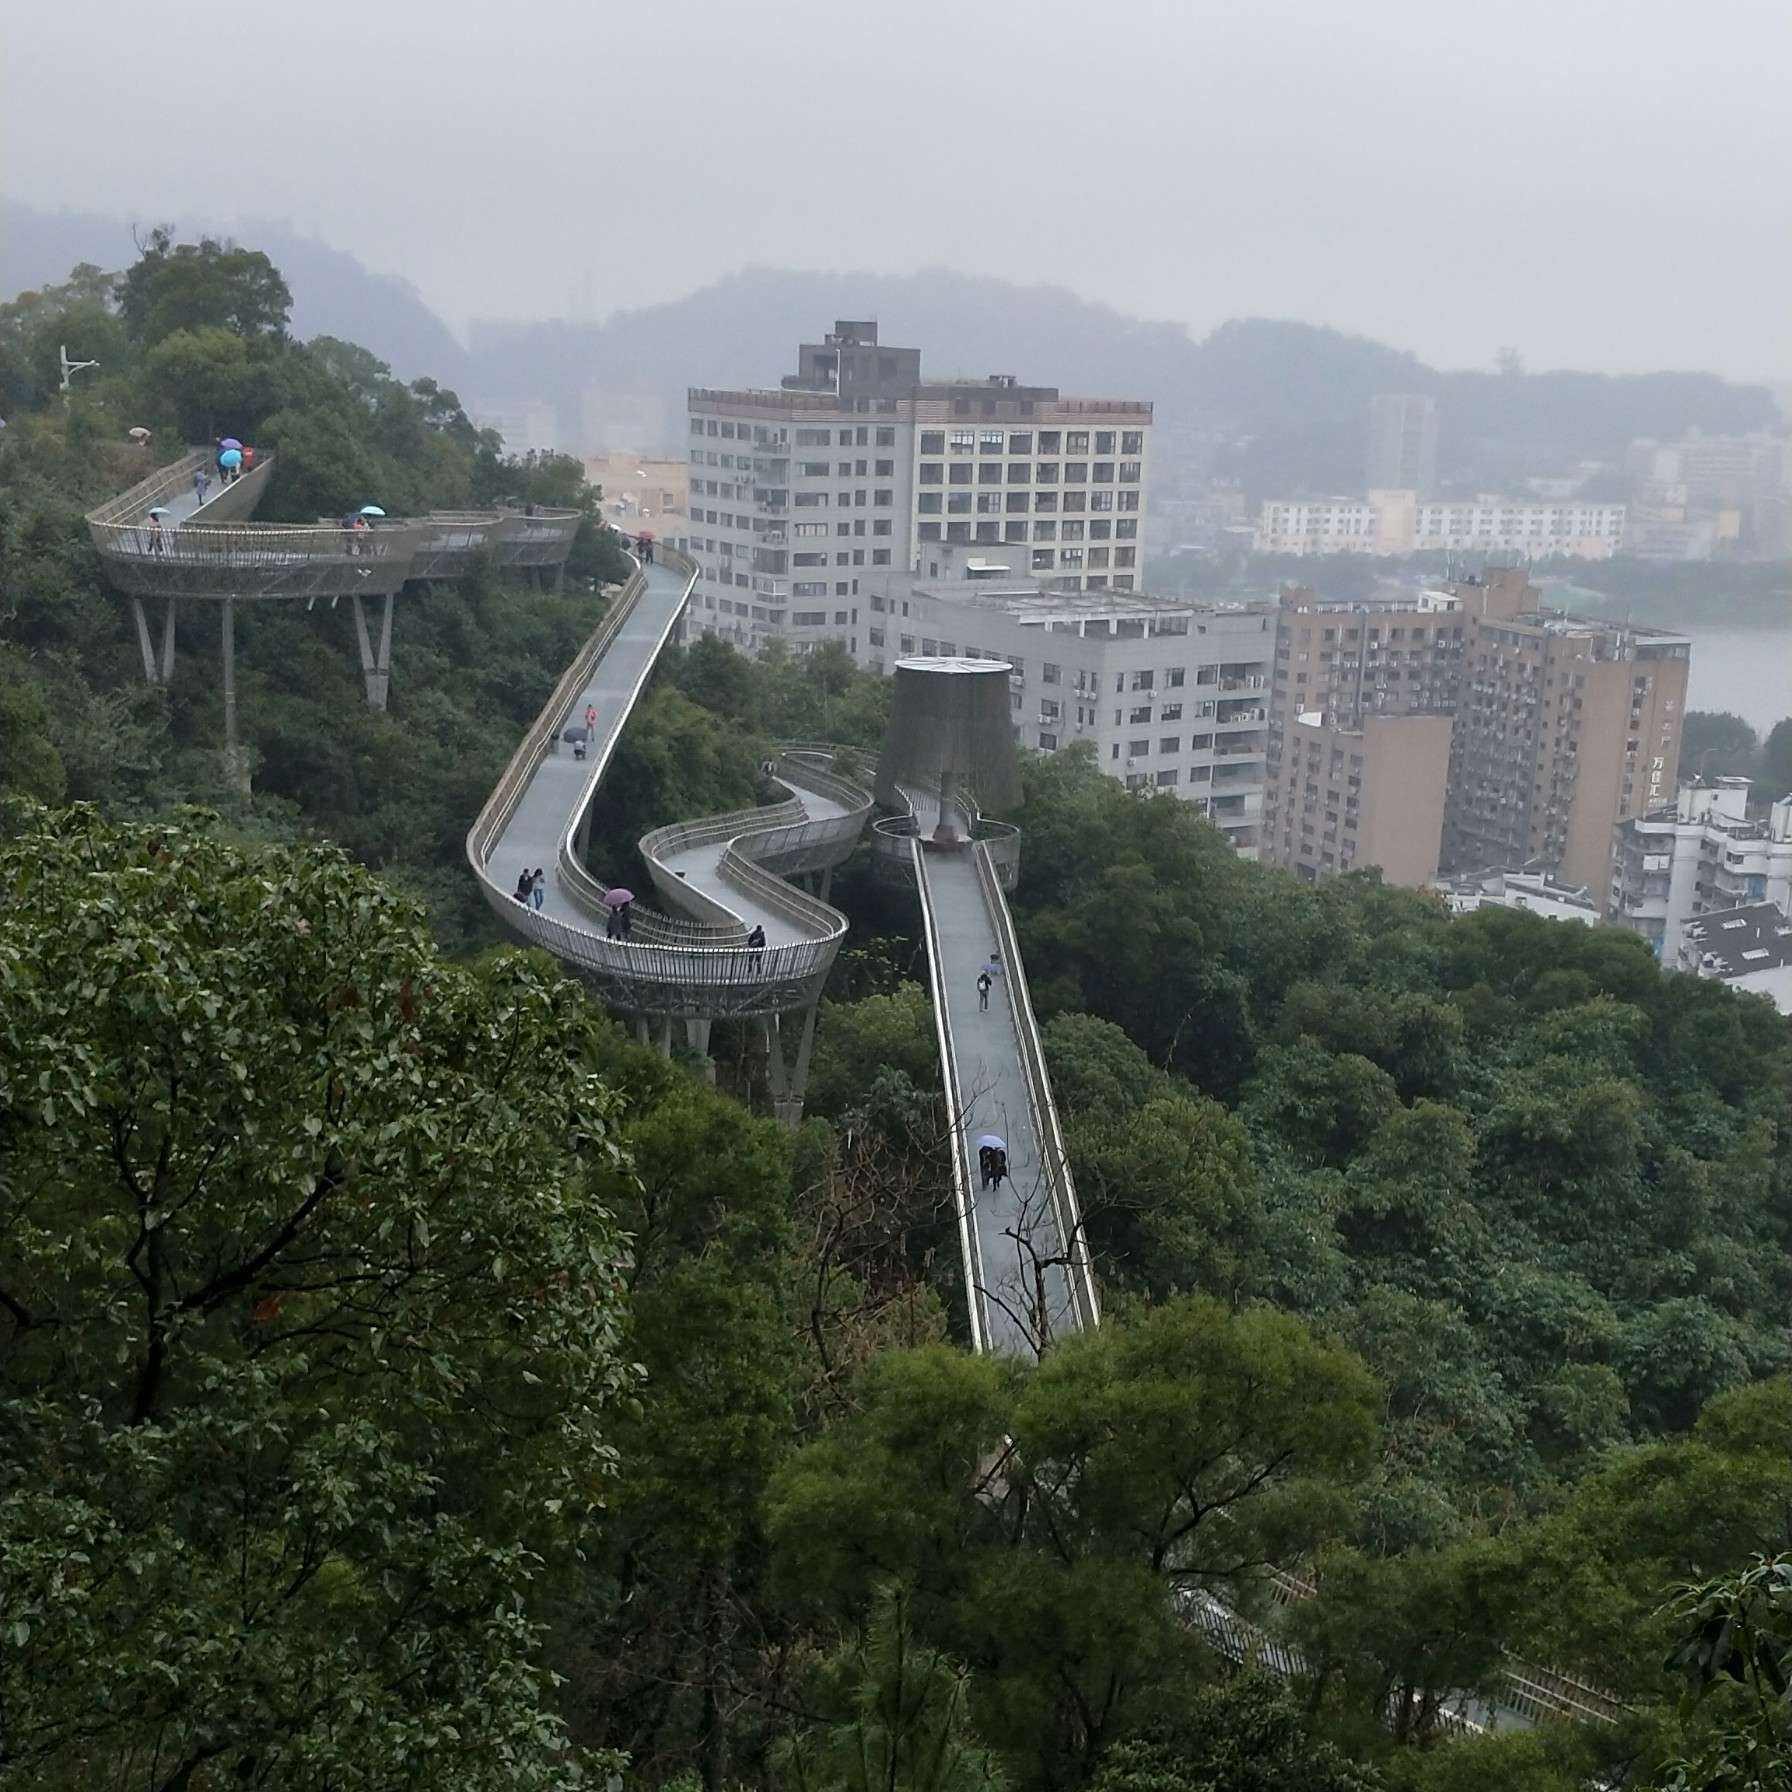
x=1366 y=690
x=1564 y=728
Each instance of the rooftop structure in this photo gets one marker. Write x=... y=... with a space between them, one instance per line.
x=1749 y=947
x=1534 y=891
x=1682 y=860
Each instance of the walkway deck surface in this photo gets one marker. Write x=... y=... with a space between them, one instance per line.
x=548 y=804
x=992 y=1098
x=701 y=866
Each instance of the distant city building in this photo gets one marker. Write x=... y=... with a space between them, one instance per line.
x=1679 y=862
x=528 y=425
x=1524 y=735
x=1702 y=494
x=1402 y=443
x=1748 y=948
x=641 y=492
x=856 y=464
x=1170 y=694
x=1536 y=892
x=1393 y=522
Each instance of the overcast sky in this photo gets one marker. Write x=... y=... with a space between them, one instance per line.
x=1598 y=184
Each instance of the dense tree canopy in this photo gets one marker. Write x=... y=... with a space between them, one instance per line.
x=312 y=1316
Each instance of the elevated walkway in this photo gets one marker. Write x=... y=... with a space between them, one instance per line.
x=213 y=553
x=695 y=965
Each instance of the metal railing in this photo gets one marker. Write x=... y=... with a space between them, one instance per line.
x=1054 y=1159
x=132 y=504
x=255 y=560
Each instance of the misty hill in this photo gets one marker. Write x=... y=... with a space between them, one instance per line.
x=333 y=294
x=1299 y=391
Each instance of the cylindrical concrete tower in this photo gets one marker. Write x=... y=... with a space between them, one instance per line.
x=951 y=737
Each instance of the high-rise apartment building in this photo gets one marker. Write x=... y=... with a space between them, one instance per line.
x=1564 y=728
x=856 y=463
x=1463 y=727
x=1171 y=695
x=1681 y=861
x=1402 y=443
x=1359 y=744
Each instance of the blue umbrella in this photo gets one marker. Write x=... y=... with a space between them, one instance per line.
x=231 y=457
x=371 y=510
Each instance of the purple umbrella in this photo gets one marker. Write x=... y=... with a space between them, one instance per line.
x=617 y=897
x=230 y=442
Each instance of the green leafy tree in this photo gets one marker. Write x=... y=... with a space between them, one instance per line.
x=1776 y=759
x=1046 y=1519
x=1242 y=1734
x=29 y=763
x=1718 y=744
x=190 y=286
x=898 y=1717
x=313 y=1318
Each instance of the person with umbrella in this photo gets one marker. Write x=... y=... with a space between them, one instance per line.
x=992 y=1160
x=617 y=901
x=231 y=461
x=155 y=529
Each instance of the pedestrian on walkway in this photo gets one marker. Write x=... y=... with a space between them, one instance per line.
x=756 y=948
x=578 y=748
x=155 y=533
x=248 y=458
x=993 y=969
x=590 y=717
x=521 y=892
x=623 y=921
x=201 y=481
x=985 y=983
x=538 y=888
x=985 y=1154
x=998 y=1168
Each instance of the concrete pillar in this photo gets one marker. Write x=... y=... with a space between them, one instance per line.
x=142 y=621
x=376 y=662
x=696 y=1034
x=233 y=758
x=665 y=1038
x=168 y=640
x=789 y=1082
x=641 y=1028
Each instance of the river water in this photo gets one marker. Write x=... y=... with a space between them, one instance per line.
x=1745 y=670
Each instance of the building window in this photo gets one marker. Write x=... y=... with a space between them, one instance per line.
x=1170 y=744
x=1169 y=777
x=933 y=441
x=1138 y=749
x=886 y=438
x=880 y=556
x=886 y=469
x=928 y=503
x=882 y=525
x=959 y=503
x=932 y=473
x=1129 y=472
x=958 y=472
x=1132 y=441
x=1046 y=473
x=1076 y=441
x=990 y=441
x=1048 y=743
x=928 y=531
x=1072 y=532
x=962 y=441
x=1043 y=559
x=1045 y=501
x=989 y=472
x=1051 y=441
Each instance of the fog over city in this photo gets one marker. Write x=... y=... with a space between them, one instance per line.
x=1597 y=185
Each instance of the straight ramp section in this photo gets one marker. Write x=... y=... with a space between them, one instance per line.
x=1027 y=1276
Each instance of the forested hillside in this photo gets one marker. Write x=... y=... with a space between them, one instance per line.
x=406 y=1382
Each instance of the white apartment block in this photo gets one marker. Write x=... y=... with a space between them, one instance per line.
x=1172 y=695
x=1676 y=865
x=1399 y=522
x=855 y=465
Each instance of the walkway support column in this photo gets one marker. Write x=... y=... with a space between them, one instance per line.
x=696 y=1036
x=149 y=657
x=158 y=664
x=168 y=640
x=789 y=1083
x=376 y=664
x=233 y=757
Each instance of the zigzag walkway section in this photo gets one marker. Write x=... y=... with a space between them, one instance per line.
x=727 y=875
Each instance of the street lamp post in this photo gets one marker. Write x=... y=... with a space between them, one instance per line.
x=70 y=368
